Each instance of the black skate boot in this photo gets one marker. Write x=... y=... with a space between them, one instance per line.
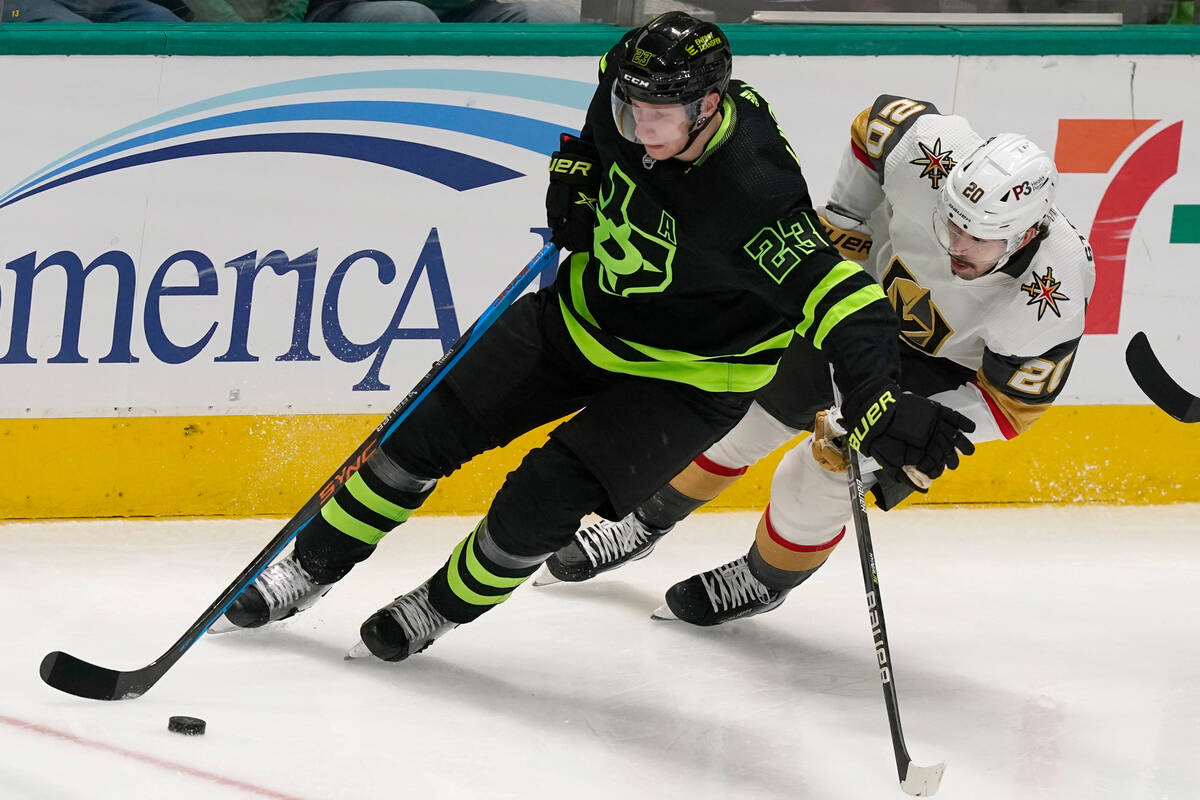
x=599 y=548
x=719 y=595
x=404 y=628
x=280 y=591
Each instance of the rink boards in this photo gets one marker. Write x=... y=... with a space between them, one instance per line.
x=270 y=465
x=217 y=274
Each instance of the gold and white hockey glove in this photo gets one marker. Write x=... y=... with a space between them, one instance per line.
x=830 y=451
x=829 y=441
x=850 y=236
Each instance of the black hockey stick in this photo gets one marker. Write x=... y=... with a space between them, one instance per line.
x=75 y=676
x=914 y=779
x=1158 y=385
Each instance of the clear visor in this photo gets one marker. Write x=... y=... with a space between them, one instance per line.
x=653 y=125
x=966 y=251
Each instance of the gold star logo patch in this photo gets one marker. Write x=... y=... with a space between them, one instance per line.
x=1044 y=291
x=936 y=162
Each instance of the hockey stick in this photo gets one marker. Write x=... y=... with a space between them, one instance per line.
x=914 y=779
x=1158 y=385
x=75 y=676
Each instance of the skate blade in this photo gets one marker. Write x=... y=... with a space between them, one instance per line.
x=663 y=612
x=359 y=650
x=223 y=625
x=544 y=577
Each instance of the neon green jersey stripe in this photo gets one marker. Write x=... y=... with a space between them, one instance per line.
x=728 y=120
x=336 y=516
x=845 y=307
x=709 y=376
x=579 y=262
x=579 y=304
x=460 y=589
x=840 y=272
x=367 y=496
x=779 y=341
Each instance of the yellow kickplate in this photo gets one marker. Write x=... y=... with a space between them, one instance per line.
x=270 y=465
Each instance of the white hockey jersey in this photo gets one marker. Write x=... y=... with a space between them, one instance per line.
x=1018 y=327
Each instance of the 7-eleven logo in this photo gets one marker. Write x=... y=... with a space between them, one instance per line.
x=1095 y=145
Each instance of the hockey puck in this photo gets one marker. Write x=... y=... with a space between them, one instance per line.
x=188 y=726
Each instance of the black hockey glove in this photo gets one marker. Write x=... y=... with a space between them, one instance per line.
x=571 y=197
x=900 y=429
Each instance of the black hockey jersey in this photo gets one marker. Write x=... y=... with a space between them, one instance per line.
x=700 y=272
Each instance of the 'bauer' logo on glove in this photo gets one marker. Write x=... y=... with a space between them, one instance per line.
x=572 y=167
x=870 y=417
x=571 y=196
x=901 y=429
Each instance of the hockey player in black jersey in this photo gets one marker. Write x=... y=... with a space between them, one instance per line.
x=991 y=282
x=696 y=255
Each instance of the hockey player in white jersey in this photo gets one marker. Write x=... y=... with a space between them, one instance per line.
x=991 y=283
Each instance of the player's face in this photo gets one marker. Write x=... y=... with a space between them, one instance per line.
x=972 y=258
x=662 y=130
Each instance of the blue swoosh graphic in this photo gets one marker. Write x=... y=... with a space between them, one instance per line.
x=530 y=134
x=449 y=168
x=557 y=91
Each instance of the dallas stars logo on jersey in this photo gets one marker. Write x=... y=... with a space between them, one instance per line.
x=1043 y=290
x=937 y=163
x=632 y=259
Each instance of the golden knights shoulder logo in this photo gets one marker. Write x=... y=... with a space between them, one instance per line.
x=936 y=163
x=921 y=323
x=1044 y=291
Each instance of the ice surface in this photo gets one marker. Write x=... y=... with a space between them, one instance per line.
x=1043 y=652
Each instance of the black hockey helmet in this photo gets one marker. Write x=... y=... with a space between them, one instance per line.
x=675 y=58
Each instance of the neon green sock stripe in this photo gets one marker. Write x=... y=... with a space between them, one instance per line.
x=367 y=496
x=840 y=272
x=481 y=573
x=460 y=589
x=336 y=516
x=845 y=307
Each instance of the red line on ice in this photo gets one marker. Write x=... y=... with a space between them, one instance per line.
x=158 y=762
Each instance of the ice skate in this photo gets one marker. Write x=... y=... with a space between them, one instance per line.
x=599 y=548
x=282 y=590
x=719 y=595
x=403 y=628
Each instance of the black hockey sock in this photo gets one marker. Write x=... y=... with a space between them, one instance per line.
x=478 y=576
x=666 y=507
x=373 y=501
x=779 y=580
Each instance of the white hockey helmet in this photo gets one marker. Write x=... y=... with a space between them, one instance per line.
x=1000 y=190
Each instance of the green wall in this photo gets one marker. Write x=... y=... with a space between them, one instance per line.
x=311 y=39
